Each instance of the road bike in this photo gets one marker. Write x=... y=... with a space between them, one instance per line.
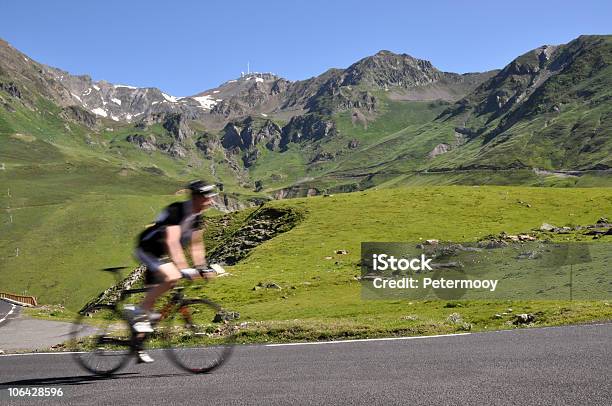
x=197 y=334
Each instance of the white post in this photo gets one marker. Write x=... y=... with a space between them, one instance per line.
x=16 y=252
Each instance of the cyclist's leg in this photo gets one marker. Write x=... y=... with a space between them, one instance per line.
x=169 y=275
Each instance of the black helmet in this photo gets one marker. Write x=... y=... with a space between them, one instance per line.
x=199 y=187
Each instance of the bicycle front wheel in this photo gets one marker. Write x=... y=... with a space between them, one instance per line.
x=101 y=345
x=199 y=335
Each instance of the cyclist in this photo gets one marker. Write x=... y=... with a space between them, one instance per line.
x=160 y=248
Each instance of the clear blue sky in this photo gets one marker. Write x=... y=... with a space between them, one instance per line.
x=184 y=47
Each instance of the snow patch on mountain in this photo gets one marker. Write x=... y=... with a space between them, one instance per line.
x=206 y=101
x=117 y=101
x=171 y=99
x=98 y=111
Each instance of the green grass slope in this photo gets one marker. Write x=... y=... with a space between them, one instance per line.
x=320 y=297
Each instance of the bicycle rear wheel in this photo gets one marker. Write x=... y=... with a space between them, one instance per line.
x=196 y=337
x=101 y=345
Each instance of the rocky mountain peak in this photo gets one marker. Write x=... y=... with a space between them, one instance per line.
x=387 y=69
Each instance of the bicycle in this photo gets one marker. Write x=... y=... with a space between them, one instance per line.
x=197 y=337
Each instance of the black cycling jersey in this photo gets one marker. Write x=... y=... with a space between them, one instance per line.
x=153 y=239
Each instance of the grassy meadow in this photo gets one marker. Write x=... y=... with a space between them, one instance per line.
x=320 y=296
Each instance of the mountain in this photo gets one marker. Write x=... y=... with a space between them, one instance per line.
x=388 y=119
x=549 y=108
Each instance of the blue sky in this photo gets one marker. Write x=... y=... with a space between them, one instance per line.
x=184 y=47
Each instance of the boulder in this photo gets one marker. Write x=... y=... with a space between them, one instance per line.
x=224 y=315
x=454 y=318
x=524 y=318
x=547 y=227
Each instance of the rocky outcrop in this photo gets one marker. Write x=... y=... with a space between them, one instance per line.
x=11 y=88
x=248 y=133
x=80 y=115
x=112 y=294
x=309 y=127
x=245 y=136
x=387 y=69
x=176 y=125
x=262 y=225
x=144 y=142
x=439 y=150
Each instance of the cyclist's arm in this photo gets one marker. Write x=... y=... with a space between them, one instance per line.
x=173 y=242
x=198 y=251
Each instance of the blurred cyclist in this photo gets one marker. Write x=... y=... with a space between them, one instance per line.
x=160 y=248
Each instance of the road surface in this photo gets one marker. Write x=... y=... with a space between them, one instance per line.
x=18 y=332
x=562 y=365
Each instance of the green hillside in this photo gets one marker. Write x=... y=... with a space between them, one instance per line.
x=65 y=243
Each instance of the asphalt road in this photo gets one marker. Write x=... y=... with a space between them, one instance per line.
x=8 y=312
x=559 y=366
x=18 y=332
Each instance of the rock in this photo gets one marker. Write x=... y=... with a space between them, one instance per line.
x=524 y=318
x=529 y=255
x=432 y=242
x=144 y=142
x=410 y=317
x=547 y=227
x=491 y=244
x=267 y=285
x=439 y=150
x=328 y=257
x=603 y=220
x=353 y=144
x=224 y=315
x=466 y=326
x=311 y=126
x=596 y=232
x=341 y=252
x=1 y=352
x=497 y=316
x=526 y=237
x=80 y=115
x=454 y=318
